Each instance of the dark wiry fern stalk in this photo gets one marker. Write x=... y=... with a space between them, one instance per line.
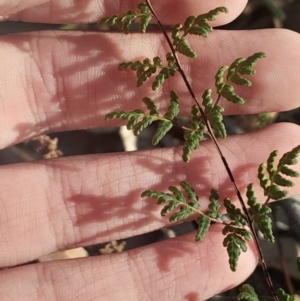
x=225 y=163
x=182 y=202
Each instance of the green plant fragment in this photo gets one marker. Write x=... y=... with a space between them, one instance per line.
x=235 y=242
x=219 y=79
x=194 y=26
x=289 y=158
x=214 y=114
x=264 y=181
x=173 y=109
x=181 y=215
x=214 y=205
x=274 y=192
x=176 y=200
x=271 y=163
x=239 y=67
x=283 y=296
x=145 y=69
x=183 y=47
x=124 y=21
x=194 y=136
x=163 y=128
x=247 y=66
x=272 y=185
x=150 y=106
x=138 y=128
x=289 y=172
x=235 y=214
x=229 y=94
x=260 y=214
x=192 y=140
x=145 y=18
x=190 y=193
x=247 y=293
x=233 y=250
x=203 y=226
x=279 y=180
x=161 y=197
x=168 y=208
x=137 y=119
x=236 y=79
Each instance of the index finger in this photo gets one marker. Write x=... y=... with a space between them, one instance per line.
x=83 y=11
x=54 y=81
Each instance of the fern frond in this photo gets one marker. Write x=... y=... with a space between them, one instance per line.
x=180 y=43
x=214 y=212
x=203 y=227
x=200 y=25
x=184 y=202
x=146 y=16
x=124 y=21
x=176 y=201
x=236 y=234
x=260 y=214
x=145 y=69
x=283 y=296
x=289 y=158
x=264 y=181
x=235 y=214
x=247 y=293
x=194 y=26
x=277 y=174
x=173 y=109
x=235 y=242
x=214 y=205
x=229 y=94
x=150 y=106
x=214 y=114
x=193 y=136
x=239 y=67
x=138 y=120
x=162 y=129
x=191 y=194
x=271 y=163
x=166 y=124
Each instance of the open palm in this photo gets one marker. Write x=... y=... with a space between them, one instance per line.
x=57 y=81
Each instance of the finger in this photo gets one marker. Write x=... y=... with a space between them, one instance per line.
x=69 y=11
x=79 y=201
x=8 y=7
x=59 y=81
x=176 y=269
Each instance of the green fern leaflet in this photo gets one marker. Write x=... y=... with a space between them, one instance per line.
x=124 y=21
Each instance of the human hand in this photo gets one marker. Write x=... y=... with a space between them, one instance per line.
x=56 y=81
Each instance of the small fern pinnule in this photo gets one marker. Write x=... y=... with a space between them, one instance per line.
x=247 y=293
x=272 y=177
x=193 y=26
x=124 y=21
x=182 y=202
x=138 y=120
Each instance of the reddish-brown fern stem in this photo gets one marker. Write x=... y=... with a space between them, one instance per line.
x=225 y=163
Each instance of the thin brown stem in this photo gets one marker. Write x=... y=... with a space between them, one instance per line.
x=267 y=201
x=225 y=163
x=218 y=100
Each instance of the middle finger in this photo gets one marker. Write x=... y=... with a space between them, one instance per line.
x=64 y=81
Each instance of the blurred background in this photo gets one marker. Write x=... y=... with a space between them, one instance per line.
x=280 y=257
